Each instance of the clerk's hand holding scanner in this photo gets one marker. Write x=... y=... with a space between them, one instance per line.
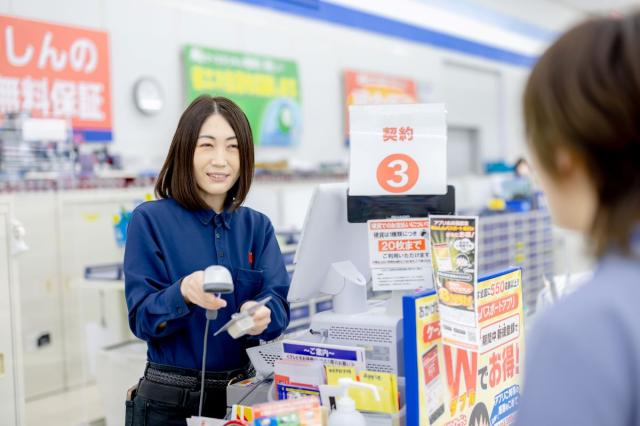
x=216 y=280
x=196 y=260
x=193 y=290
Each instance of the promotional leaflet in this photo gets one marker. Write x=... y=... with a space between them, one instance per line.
x=423 y=359
x=399 y=254
x=454 y=240
x=267 y=89
x=501 y=321
x=57 y=71
x=484 y=385
x=477 y=386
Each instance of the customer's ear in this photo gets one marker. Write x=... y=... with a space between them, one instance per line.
x=565 y=160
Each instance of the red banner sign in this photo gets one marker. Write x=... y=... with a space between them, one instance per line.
x=55 y=71
x=369 y=88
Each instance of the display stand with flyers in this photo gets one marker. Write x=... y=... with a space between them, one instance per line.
x=456 y=383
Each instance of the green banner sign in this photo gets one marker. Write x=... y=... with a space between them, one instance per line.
x=267 y=89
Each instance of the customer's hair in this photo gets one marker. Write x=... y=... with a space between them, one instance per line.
x=176 y=179
x=584 y=95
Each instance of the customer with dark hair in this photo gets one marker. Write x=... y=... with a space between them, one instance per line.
x=199 y=221
x=582 y=119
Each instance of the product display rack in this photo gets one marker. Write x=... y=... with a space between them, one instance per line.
x=523 y=240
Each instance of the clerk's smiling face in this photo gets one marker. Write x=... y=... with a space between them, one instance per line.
x=216 y=161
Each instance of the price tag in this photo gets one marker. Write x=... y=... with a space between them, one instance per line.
x=398 y=149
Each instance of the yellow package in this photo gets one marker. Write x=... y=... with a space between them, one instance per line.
x=386 y=383
x=334 y=373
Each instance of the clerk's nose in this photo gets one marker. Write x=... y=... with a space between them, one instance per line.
x=218 y=158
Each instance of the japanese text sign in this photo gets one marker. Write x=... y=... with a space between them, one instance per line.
x=484 y=384
x=398 y=149
x=267 y=89
x=423 y=359
x=449 y=383
x=454 y=242
x=369 y=88
x=399 y=254
x=55 y=71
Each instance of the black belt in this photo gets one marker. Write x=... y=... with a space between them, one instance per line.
x=168 y=394
x=188 y=378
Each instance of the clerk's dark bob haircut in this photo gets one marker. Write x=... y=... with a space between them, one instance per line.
x=584 y=95
x=176 y=179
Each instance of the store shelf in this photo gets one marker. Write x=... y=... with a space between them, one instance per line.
x=522 y=240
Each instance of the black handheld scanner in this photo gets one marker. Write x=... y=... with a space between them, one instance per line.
x=217 y=280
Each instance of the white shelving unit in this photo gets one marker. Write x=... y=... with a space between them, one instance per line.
x=69 y=229
x=11 y=364
x=66 y=231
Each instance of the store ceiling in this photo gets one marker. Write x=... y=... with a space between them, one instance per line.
x=602 y=6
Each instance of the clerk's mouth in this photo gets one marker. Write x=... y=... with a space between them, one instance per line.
x=218 y=176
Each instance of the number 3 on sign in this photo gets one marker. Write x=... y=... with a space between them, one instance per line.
x=397 y=173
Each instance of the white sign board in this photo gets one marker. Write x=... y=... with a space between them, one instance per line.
x=44 y=129
x=398 y=149
x=399 y=254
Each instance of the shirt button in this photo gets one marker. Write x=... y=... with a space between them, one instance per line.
x=179 y=310
x=221 y=254
x=217 y=235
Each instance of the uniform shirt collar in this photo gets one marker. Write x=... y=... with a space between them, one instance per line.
x=206 y=216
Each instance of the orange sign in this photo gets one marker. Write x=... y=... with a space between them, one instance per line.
x=55 y=71
x=368 y=88
x=402 y=245
x=397 y=173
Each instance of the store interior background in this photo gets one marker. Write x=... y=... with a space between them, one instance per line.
x=69 y=230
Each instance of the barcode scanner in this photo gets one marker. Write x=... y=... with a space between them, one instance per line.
x=217 y=280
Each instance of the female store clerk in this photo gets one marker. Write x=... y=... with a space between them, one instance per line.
x=198 y=221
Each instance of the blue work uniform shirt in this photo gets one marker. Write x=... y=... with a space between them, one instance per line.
x=165 y=243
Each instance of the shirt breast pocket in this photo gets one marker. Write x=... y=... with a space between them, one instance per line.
x=247 y=284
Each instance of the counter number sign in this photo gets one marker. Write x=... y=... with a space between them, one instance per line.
x=398 y=149
x=397 y=173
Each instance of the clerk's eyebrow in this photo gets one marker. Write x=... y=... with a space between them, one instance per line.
x=230 y=138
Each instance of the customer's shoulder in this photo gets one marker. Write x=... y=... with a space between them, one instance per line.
x=607 y=302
